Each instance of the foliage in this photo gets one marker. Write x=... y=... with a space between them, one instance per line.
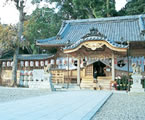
x=43 y=23
x=81 y=9
x=133 y=8
x=20 y=5
x=8 y=37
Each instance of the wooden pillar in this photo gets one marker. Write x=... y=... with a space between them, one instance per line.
x=113 y=67
x=78 y=71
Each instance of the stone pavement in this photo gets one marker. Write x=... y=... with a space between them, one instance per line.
x=69 y=105
x=12 y=94
x=123 y=106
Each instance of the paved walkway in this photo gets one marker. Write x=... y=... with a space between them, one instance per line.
x=72 y=105
x=122 y=106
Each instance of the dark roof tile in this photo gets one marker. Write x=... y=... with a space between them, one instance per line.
x=114 y=28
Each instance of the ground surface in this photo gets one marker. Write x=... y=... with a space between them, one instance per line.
x=122 y=106
x=67 y=105
x=12 y=94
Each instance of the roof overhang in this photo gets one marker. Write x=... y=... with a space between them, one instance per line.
x=93 y=45
x=51 y=45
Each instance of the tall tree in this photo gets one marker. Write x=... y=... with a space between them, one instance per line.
x=42 y=23
x=20 y=5
x=76 y=9
x=133 y=7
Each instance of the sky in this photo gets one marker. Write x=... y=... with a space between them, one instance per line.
x=9 y=14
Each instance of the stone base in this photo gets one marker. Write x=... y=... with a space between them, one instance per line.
x=137 y=90
x=137 y=87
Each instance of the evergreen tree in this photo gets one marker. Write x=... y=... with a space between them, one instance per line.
x=133 y=7
x=42 y=23
x=81 y=9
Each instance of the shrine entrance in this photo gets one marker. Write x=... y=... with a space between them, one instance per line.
x=99 y=68
x=94 y=46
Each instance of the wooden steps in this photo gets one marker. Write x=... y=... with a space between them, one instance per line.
x=103 y=83
x=88 y=83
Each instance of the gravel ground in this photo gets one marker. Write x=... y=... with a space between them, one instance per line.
x=11 y=94
x=122 y=106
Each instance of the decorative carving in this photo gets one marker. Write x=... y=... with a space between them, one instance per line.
x=94 y=32
x=58 y=37
x=93 y=46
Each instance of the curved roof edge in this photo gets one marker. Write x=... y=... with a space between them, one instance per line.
x=95 y=38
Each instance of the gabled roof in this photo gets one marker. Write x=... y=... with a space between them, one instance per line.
x=95 y=35
x=126 y=28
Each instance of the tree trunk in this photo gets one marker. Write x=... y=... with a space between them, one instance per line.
x=14 y=67
x=20 y=7
x=0 y=73
x=107 y=6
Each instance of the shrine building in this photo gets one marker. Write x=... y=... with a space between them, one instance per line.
x=106 y=47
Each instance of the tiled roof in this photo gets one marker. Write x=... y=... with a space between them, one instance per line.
x=114 y=44
x=35 y=56
x=130 y=28
x=31 y=57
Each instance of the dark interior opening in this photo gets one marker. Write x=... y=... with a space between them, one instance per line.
x=99 y=67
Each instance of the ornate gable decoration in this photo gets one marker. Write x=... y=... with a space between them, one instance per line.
x=94 y=32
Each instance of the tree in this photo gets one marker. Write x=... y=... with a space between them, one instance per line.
x=133 y=7
x=20 y=5
x=42 y=23
x=81 y=9
x=8 y=37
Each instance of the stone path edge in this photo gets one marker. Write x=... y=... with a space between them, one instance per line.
x=92 y=113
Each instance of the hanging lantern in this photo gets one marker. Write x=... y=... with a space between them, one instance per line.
x=46 y=62
x=22 y=73
x=26 y=73
x=36 y=63
x=30 y=73
x=12 y=63
x=115 y=61
x=81 y=61
x=4 y=64
x=60 y=61
x=52 y=61
x=64 y=62
x=57 y=61
x=72 y=60
x=22 y=63
x=31 y=63
x=42 y=63
x=26 y=63
x=8 y=64
x=140 y=62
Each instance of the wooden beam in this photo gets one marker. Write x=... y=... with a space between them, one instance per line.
x=78 y=71
x=113 y=67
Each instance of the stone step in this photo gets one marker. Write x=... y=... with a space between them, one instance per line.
x=87 y=82
x=104 y=78
x=87 y=79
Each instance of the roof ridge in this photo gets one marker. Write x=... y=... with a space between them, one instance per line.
x=105 y=19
